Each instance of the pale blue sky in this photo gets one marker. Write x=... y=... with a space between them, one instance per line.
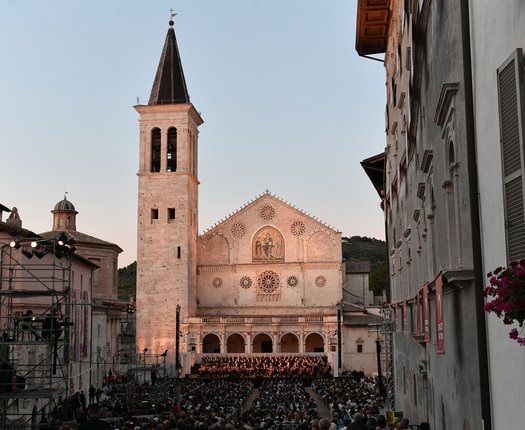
x=287 y=105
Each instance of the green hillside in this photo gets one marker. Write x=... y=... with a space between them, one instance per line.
x=127 y=281
x=357 y=248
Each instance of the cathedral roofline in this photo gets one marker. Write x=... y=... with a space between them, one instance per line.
x=169 y=86
x=267 y=193
x=82 y=238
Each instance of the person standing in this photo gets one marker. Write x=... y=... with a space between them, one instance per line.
x=92 y=391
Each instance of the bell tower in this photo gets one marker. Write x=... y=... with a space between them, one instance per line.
x=167 y=205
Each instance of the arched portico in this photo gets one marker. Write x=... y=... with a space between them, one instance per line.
x=289 y=343
x=236 y=344
x=314 y=343
x=211 y=344
x=262 y=343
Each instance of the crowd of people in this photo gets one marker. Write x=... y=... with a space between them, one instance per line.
x=267 y=366
x=347 y=403
x=281 y=401
x=348 y=395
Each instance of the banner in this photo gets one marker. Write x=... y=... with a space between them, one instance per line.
x=395 y=316
x=426 y=316
x=418 y=314
x=404 y=314
x=414 y=307
x=440 y=329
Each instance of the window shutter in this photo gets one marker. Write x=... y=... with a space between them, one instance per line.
x=511 y=97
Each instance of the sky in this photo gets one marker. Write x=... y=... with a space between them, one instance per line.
x=288 y=106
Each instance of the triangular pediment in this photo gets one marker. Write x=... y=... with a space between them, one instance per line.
x=269 y=208
x=268 y=230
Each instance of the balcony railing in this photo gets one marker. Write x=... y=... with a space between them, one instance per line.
x=264 y=320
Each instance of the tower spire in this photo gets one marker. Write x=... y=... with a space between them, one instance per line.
x=169 y=86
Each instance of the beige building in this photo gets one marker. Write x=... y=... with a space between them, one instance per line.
x=107 y=310
x=45 y=322
x=267 y=279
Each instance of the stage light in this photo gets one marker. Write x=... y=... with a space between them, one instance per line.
x=14 y=244
x=34 y=244
x=27 y=253
x=39 y=254
x=62 y=239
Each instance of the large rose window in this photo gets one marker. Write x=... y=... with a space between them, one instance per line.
x=268 y=281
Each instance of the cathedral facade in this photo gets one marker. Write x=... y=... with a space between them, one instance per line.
x=267 y=279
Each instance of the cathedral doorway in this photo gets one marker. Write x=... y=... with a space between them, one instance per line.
x=235 y=344
x=262 y=343
x=211 y=344
x=289 y=343
x=314 y=343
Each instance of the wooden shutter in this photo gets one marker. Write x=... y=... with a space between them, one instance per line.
x=511 y=97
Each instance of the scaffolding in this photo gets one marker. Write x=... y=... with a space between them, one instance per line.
x=385 y=330
x=387 y=357
x=35 y=308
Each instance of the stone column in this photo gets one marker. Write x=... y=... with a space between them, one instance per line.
x=248 y=347
x=223 y=341
x=163 y=150
x=301 y=342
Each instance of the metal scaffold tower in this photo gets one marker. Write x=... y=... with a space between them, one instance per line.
x=386 y=332
x=385 y=348
x=35 y=309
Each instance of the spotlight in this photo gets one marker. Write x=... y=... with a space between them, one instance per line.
x=62 y=239
x=27 y=253
x=34 y=244
x=39 y=254
x=14 y=244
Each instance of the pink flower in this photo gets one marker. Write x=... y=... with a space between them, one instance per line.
x=513 y=334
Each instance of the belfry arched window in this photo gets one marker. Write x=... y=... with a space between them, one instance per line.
x=171 y=154
x=155 y=150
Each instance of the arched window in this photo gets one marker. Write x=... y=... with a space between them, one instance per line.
x=155 y=150
x=171 y=155
x=451 y=154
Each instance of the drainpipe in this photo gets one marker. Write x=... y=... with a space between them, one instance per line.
x=474 y=219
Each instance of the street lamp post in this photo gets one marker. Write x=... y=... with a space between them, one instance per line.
x=339 y=337
x=144 y=362
x=177 y=353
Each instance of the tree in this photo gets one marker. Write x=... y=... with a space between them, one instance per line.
x=127 y=282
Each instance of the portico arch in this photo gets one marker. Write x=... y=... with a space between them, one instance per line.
x=211 y=344
x=314 y=343
x=235 y=344
x=262 y=343
x=289 y=343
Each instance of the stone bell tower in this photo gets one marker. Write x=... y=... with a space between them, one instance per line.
x=167 y=205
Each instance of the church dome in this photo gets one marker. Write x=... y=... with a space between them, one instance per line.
x=64 y=205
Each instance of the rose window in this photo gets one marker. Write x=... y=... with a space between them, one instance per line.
x=320 y=281
x=298 y=228
x=238 y=229
x=268 y=281
x=246 y=282
x=217 y=282
x=293 y=281
x=267 y=213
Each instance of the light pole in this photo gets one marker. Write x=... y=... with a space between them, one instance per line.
x=177 y=354
x=144 y=351
x=339 y=338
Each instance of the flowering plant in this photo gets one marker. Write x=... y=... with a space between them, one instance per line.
x=507 y=287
